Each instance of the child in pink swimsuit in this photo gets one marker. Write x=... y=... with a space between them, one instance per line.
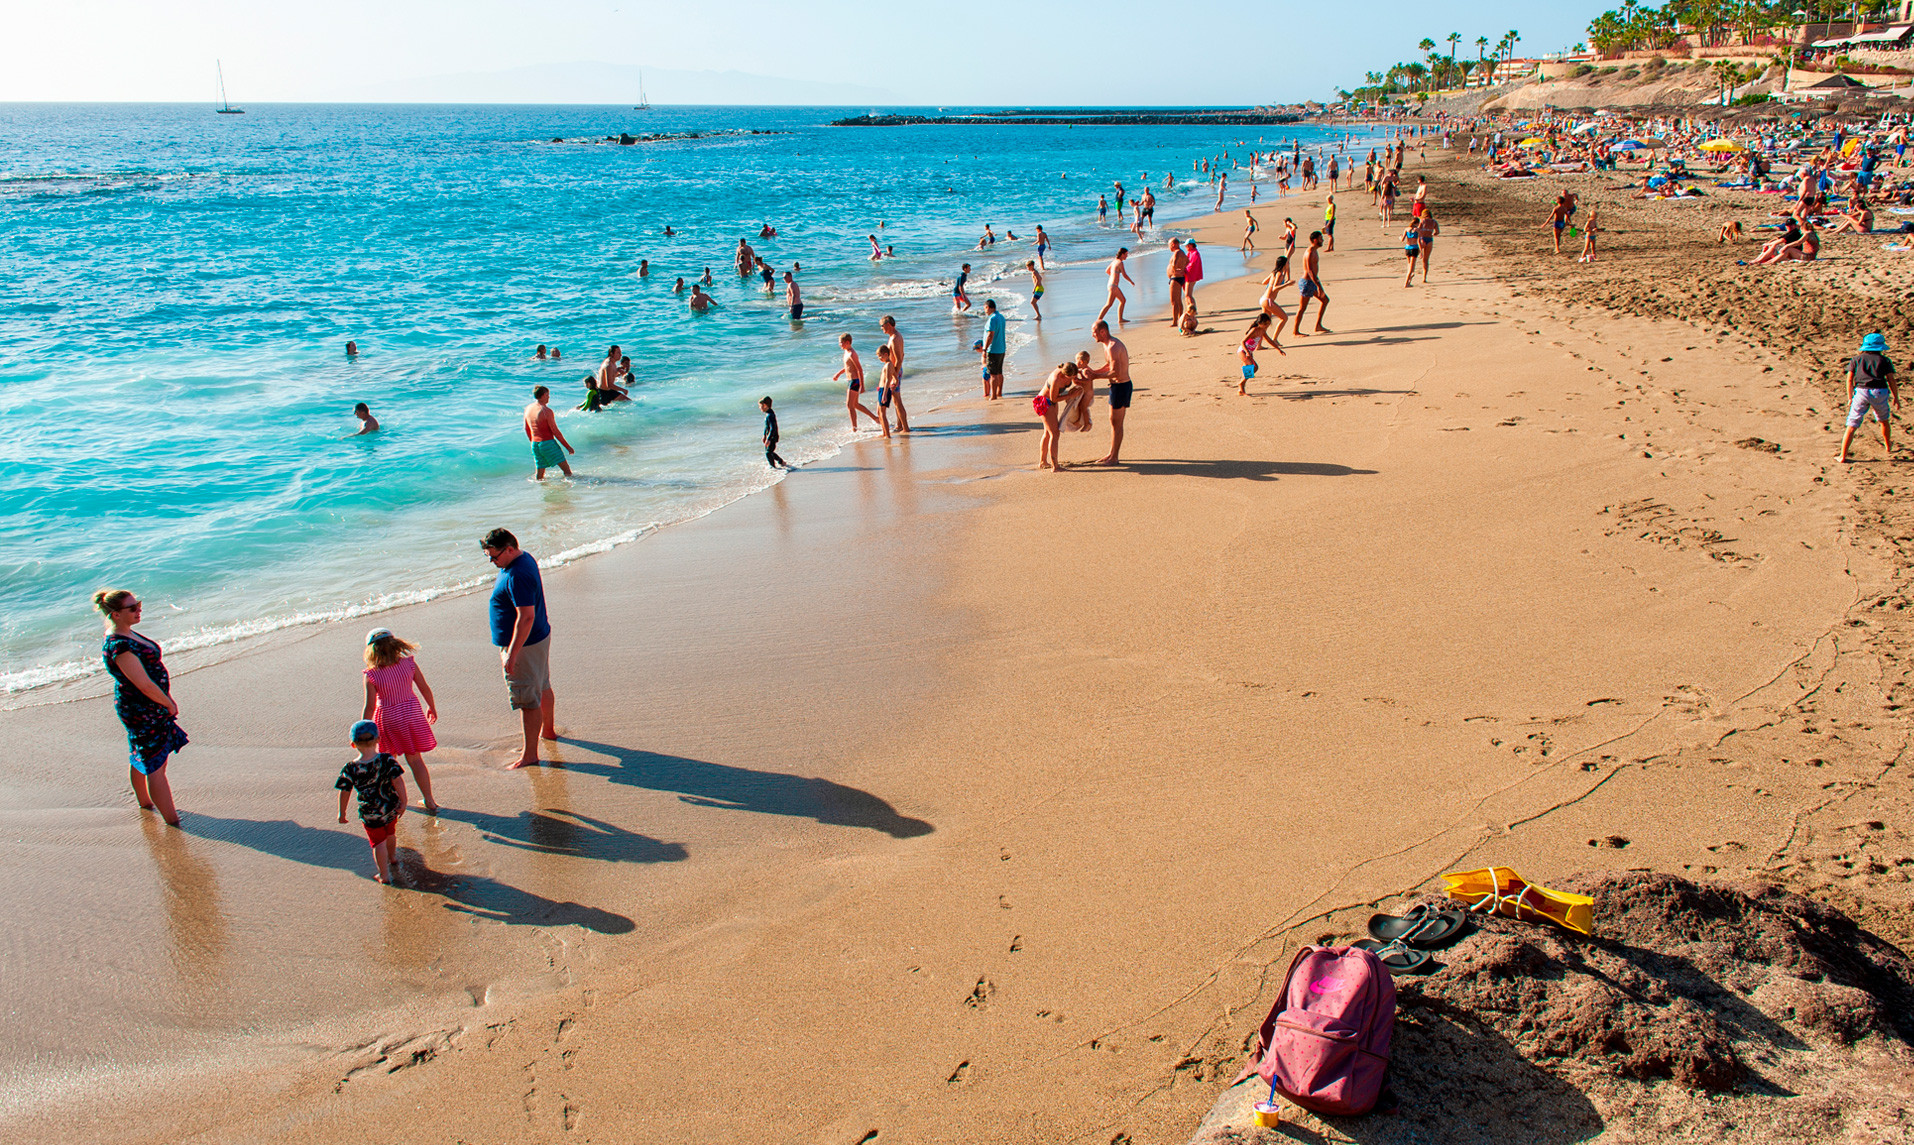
x=404 y=727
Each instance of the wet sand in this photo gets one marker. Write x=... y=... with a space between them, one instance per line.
x=953 y=801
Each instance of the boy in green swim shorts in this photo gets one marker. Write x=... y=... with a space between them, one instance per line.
x=1036 y=287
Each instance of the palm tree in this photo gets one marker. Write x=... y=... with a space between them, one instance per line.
x=1454 y=38
x=1426 y=45
x=1481 y=48
x=1514 y=38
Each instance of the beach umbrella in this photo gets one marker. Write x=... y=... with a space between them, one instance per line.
x=1722 y=145
x=1588 y=129
x=1628 y=145
x=1533 y=141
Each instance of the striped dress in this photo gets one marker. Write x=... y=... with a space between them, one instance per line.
x=397 y=711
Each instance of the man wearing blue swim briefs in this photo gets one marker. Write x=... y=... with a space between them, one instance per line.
x=1116 y=367
x=959 y=299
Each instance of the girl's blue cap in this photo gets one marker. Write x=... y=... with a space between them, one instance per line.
x=1875 y=343
x=364 y=730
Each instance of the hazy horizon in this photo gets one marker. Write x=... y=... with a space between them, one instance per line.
x=1121 y=53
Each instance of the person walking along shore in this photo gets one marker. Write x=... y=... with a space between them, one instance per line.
x=142 y=700
x=522 y=634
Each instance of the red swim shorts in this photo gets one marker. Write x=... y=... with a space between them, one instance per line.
x=380 y=834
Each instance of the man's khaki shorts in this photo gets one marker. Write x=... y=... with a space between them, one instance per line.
x=531 y=678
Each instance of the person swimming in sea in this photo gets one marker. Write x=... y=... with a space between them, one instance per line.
x=367 y=423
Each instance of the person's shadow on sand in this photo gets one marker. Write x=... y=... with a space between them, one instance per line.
x=1237 y=470
x=553 y=831
x=742 y=789
x=346 y=851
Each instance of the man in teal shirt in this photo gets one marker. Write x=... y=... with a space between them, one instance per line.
x=995 y=343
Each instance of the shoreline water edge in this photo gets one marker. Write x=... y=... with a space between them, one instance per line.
x=652 y=462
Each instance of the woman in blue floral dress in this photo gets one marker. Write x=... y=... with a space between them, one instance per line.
x=141 y=699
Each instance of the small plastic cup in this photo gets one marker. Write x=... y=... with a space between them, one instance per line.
x=1269 y=1115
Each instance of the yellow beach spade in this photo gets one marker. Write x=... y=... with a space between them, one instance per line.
x=1501 y=890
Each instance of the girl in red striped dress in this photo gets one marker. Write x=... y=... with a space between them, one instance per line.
x=404 y=727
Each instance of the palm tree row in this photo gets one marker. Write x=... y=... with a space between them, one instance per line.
x=1435 y=71
x=1715 y=23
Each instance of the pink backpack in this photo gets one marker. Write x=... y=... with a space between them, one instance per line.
x=1325 y=1044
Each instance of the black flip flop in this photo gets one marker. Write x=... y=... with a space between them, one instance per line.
x=1398 y=958
x=1427 y=925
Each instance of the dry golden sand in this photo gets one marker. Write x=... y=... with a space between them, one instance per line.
x=1472 y=578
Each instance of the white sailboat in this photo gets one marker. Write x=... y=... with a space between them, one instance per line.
x=224 y=107
x=644 y=102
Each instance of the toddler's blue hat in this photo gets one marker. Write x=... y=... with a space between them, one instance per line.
x=1874 y=343
x=363 y=730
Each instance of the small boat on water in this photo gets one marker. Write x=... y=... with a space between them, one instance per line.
x=644 y=101
x=224 y=107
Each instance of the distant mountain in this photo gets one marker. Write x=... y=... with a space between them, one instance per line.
x=591 y=82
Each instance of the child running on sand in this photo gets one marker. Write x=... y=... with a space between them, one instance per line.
x=1115 y=272
x=1871 y=385
x=1257 y=335
x=380 y=782
x=404 y=727
x=1273 y=282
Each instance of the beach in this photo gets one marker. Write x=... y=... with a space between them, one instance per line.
x=925 y=796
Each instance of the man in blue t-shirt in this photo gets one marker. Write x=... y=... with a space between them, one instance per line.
x=995 y=344
x=523 y=637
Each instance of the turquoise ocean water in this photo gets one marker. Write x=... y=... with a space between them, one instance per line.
x=176 y=288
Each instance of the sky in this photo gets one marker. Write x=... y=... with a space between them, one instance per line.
x=1122 y=52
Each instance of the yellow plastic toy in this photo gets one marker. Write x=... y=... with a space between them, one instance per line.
x=1502 y=890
